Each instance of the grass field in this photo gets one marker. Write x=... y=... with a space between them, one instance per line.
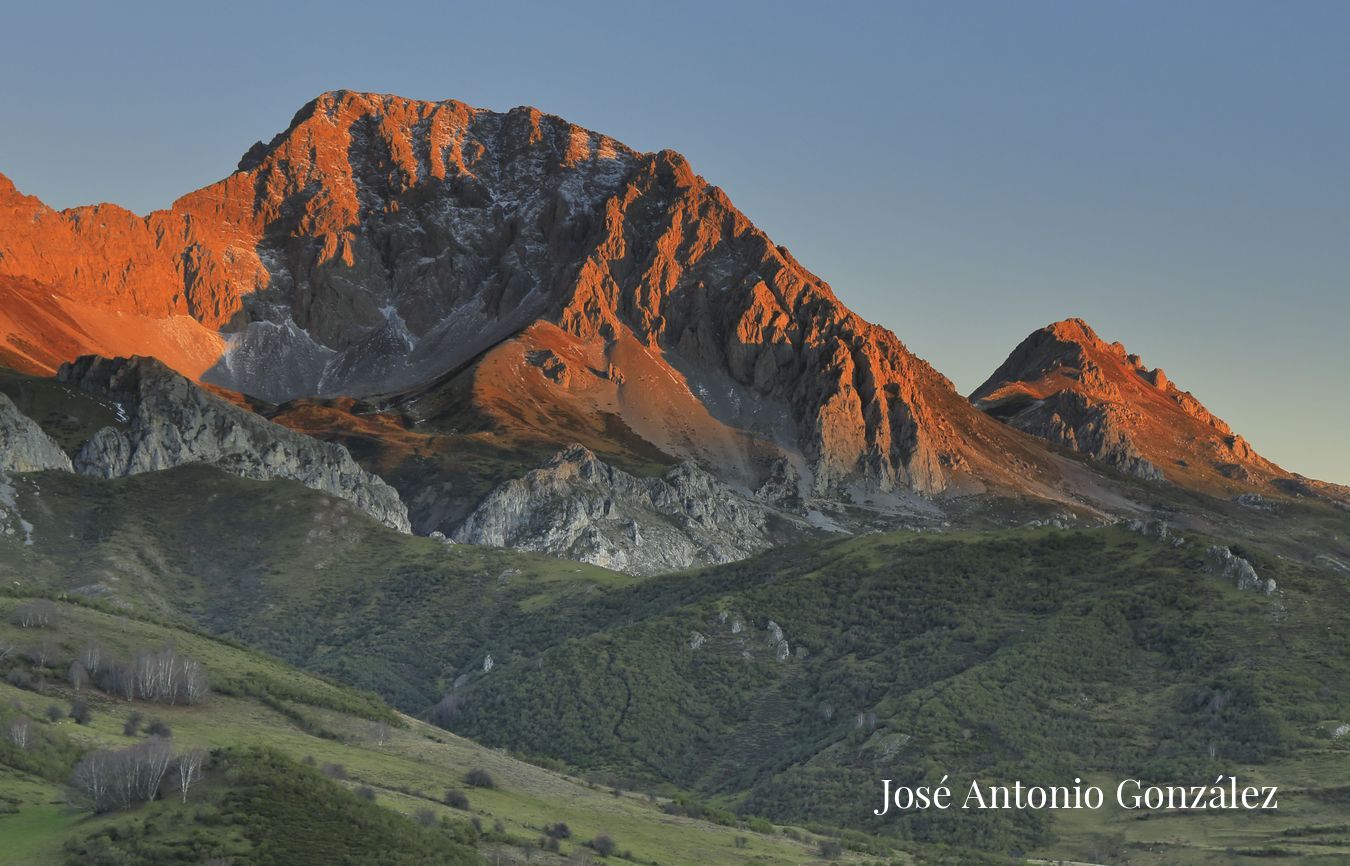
x=408 y=764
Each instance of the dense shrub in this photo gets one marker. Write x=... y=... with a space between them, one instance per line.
x=479 y=778
x=80 y=712
x=604 y=845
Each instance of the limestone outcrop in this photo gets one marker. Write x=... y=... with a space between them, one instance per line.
x=24 y=447
x=578 y=507
x=166 y=421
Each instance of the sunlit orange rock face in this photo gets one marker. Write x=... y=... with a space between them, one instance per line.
x=1067 y=385
x=379 y=243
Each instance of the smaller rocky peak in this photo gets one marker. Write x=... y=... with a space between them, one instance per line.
x=1065 y=384
x=1065 y=347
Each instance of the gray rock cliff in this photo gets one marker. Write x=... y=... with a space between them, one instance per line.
x=24 y=447
x=578 y=507
x=1240 y=571
x=167 y=421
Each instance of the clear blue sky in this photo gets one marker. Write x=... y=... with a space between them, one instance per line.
x=1176 y=173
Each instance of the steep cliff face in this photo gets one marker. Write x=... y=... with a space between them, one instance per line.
x=380 y=242
x=578 y=507
x=1065 y=384
x=24 y=447
x=163 y=421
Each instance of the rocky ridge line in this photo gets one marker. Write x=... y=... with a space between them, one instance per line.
x=166 y=421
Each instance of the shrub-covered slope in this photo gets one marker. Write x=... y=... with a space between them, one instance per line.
x=784 y=686
x=300 y=771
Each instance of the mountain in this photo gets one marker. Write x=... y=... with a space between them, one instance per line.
x=538 y=270
x=1068 y=386
x=500 y=330
x=461 y=299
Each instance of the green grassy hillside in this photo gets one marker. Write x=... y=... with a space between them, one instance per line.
x=294 y=762
x=288 y=570
x=1037 y=655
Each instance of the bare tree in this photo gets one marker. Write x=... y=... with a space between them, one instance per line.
x=166 y=677
x=41 y=653
x=380 y=733
x=190 y=769
x=156 y=755
x=91 y=656
x=109 y=779
x=6 y=649
x=78 y=675
x=93 y=780
x=145 y=669
x=194 y=681
x=34 y=614
x=118 y=679
x=19 y=731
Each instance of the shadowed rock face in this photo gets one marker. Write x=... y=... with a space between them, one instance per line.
x=1065 y=384
x=380 y=242
x=24 y=447
x=166 y=421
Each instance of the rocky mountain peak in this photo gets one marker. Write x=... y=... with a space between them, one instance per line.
x=1066 y=384
x=379 y=243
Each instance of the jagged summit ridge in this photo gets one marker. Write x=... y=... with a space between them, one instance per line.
x=379 y=242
